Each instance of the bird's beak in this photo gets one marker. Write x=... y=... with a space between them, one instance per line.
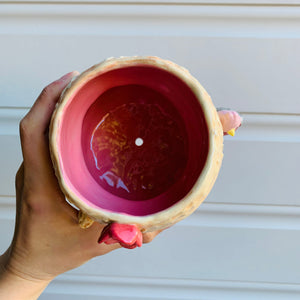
x=231 y=132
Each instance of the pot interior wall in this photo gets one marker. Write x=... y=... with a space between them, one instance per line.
x=133 y=140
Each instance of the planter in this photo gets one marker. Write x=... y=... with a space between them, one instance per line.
x=136 y=140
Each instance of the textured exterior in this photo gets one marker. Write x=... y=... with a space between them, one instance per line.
x=204 y=183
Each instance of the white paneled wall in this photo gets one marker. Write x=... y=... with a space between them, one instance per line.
x=243 y=242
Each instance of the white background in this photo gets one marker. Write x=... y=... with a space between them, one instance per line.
x=244 y=241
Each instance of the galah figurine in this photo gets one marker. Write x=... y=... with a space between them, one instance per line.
x=230 y=121
x=128 y=235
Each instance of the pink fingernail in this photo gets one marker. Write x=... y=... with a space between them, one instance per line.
x=68 y=75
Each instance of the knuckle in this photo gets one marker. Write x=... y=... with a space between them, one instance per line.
x=19 y=180
x=34 y=205
x=46 y=92
x=23 y=125
x=25 y=129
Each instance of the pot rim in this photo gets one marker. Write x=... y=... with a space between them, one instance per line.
x=204 y=182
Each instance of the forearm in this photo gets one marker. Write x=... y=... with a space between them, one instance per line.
x=15 y=287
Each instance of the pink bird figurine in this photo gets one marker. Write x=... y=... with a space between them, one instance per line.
x=230 y=120
x=127 y=235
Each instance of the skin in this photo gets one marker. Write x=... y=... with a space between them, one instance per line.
x=47 y=240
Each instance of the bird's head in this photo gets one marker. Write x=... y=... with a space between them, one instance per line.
x=230 y=121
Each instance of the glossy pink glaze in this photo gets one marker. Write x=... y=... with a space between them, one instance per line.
x=127 y=235
x=101 y=124
x=127 y=170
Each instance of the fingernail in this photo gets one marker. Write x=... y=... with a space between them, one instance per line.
x=69 y=75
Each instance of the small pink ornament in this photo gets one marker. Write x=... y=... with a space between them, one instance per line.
x=127 y=235
x=230 y=120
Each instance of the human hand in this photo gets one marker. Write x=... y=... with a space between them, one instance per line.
x=48 y=240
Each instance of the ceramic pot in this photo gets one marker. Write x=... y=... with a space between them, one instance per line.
x=136 y=140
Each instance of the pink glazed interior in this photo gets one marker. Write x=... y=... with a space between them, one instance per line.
x=133 y=140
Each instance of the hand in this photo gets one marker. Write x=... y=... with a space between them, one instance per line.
x=48 y=240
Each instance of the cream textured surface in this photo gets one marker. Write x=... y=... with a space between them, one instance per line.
x=243 y=241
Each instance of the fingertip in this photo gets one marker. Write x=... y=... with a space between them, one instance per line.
x=67 y=77
x=76 y=73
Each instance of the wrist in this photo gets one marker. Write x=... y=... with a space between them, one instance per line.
x=16 y=285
